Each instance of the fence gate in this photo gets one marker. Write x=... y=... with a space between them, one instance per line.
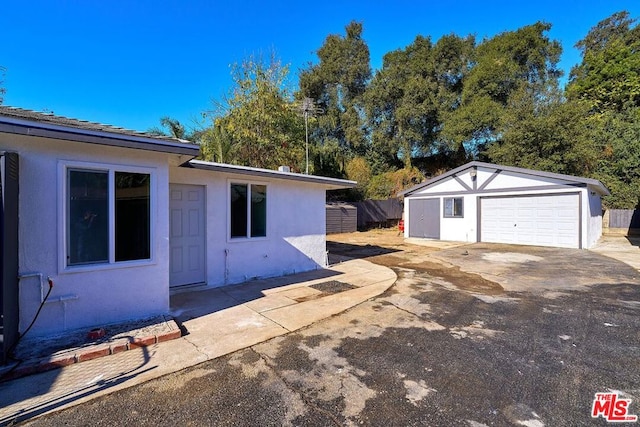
x=8 y=252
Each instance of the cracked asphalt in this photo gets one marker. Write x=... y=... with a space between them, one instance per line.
x=527 y=340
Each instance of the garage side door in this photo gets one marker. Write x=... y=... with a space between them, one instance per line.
x=424 y=218
x=549 y=220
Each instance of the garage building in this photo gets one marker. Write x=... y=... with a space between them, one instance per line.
x=483 y=202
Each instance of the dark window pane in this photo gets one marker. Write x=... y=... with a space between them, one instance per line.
x=258 y=210
x=87 y=216
x=132 y=220
x=238 y=210
x=457 y=207
x=453 y=207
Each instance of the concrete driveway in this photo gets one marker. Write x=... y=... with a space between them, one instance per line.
x=469 y=335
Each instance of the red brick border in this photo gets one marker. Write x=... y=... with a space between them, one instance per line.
x=87 y=354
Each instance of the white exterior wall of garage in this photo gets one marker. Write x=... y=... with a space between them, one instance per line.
x=511 y=205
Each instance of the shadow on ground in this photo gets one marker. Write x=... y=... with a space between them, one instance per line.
x=357 y=251
x=196 y=303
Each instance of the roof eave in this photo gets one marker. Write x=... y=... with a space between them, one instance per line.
x=588 y=181
x=328 y=183
x=68 y=133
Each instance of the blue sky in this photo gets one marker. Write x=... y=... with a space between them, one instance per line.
x=128 y=63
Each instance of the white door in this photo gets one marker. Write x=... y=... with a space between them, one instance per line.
x=187 y=235
x=541 y=220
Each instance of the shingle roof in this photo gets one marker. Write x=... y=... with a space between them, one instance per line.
x=15 y=120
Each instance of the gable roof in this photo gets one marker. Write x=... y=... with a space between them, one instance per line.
x=26 y=122
x=598 y=186
x=329 y=183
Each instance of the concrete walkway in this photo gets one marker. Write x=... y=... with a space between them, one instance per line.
x=622 y=248
x=217 y=321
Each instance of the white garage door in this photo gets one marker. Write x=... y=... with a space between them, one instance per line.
x=549 y=220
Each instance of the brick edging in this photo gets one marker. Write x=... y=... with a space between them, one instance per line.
x=87 y=354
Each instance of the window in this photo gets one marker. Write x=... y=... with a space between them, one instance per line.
x=453 y=207
x=102 y=200
x=248 y=210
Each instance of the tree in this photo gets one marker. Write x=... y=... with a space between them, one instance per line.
x=216 y=145
x=502 y=66
x=170 y=127
x=259 y=116
x=337 y=83
x=546 y=133
x=609 y=74
x=358 y=170
x=608 y=81
x=408 y=97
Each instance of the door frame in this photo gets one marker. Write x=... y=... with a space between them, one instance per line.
x=422 y=204
x=509 y=196
x=203 y=188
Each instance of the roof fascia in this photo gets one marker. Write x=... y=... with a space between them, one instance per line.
x=46 y=130
x=331 y=183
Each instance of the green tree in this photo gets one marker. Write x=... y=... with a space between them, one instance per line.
x=170 y=127
x=358 y=170
x=408 y=97
x=503 y=65
x=546 y=133
x=619 y=163
x=216 y=145
x=259 y=117
x=337 y=83
x=609 y=74
x=608 y=81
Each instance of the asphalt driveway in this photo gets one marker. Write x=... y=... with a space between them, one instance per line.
x=470 y=335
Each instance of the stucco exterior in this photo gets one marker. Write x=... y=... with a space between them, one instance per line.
x=477 y=181
x=89 y=294
x=295 y=240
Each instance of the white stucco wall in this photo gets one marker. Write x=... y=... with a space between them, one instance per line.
x=91 y=295
x=296 y=226
x=594 y=217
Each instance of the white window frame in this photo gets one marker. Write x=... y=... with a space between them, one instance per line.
x=231 y=182
x=63 y=207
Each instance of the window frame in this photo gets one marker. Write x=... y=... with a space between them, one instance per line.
x=453 y=207
x=248 y=236
x=64 y=167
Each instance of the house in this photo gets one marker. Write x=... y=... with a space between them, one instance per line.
x=483 y=202
x=119 y=219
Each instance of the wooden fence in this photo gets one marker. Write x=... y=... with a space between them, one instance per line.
x=341 y=218
x=378 y=213
x=624 y=219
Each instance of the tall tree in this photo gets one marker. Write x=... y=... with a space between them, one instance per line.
x=337 y=83
x=609 y=74
x=545 y=133
x=502 y=66
x=259 y=117
x=608 y=81
x=408 y=97
x=216 y=145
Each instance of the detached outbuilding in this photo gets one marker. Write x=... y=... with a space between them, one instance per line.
x=483 y=202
